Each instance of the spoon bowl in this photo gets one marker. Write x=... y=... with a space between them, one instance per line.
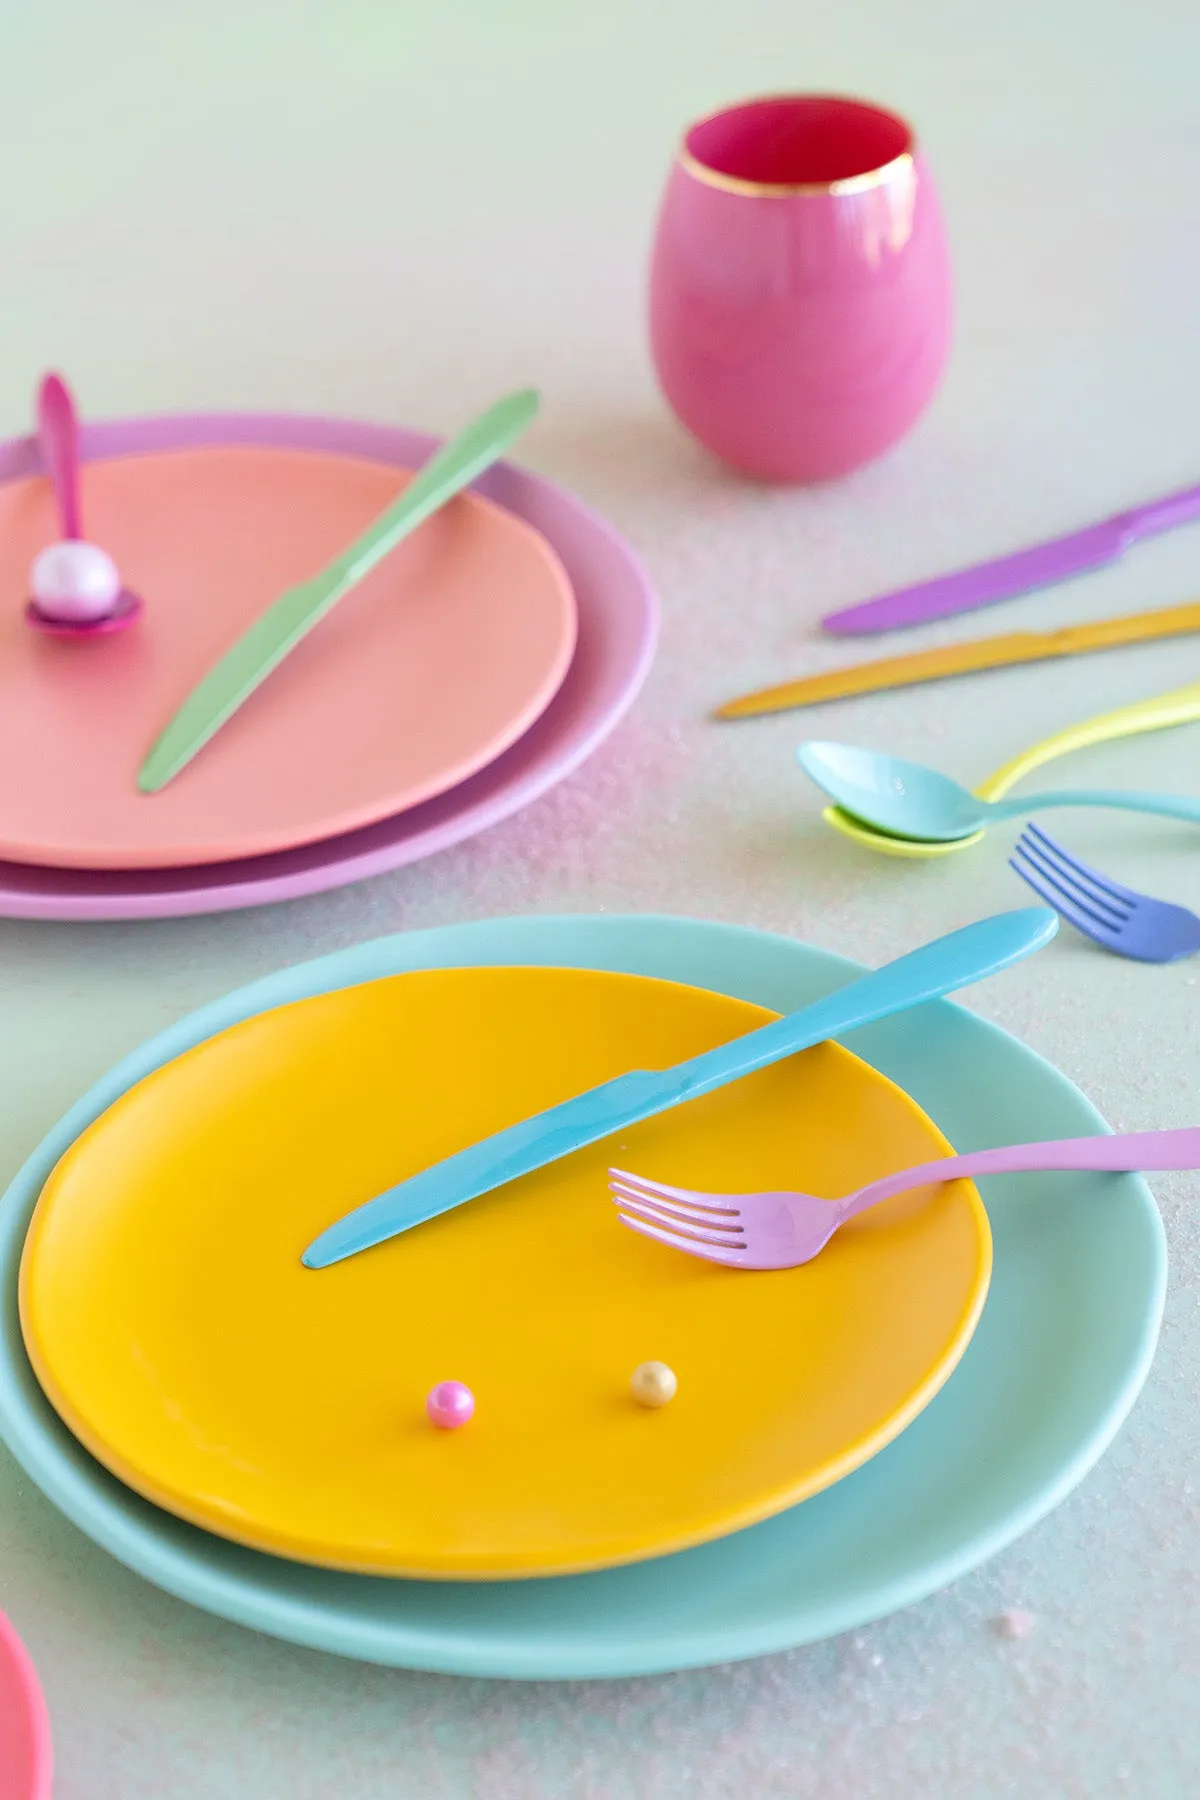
x=126 y=610
x=915 y=849
x=897 y=798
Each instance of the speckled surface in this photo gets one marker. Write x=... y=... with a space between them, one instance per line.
x=396 y=212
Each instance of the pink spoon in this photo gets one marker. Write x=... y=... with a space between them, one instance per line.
x=76 y=589
x=781 y=1230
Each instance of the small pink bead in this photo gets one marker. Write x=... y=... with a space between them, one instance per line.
x=74 y=581
x=450 y=1404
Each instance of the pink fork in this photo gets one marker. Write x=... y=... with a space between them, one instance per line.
x=780 y=1230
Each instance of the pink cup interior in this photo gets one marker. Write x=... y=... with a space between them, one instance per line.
x=798 y=140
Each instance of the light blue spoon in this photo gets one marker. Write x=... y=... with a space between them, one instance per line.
x=909 y=801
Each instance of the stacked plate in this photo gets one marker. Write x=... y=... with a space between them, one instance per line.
x=477 y=666
x=846 y=1436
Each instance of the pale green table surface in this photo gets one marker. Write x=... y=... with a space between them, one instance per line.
x=397 y=211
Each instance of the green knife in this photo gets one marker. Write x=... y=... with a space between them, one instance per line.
x=263 y=646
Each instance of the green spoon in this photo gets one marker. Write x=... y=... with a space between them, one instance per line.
x=907 y=800
x=263 y=646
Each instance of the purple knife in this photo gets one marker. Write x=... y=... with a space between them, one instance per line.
x=1016 y=574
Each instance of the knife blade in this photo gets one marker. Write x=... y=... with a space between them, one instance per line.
x=265 y=643
x=1019 y=573
x=961 y=659
x=935 y=969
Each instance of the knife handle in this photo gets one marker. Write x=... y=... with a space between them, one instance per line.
x=949 y=963
x=1162 y=515
x=1134 y=628
x=449 y=470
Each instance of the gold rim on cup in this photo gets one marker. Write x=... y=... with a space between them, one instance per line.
x=773 y=190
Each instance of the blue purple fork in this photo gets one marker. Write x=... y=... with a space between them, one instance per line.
x=1129 y=923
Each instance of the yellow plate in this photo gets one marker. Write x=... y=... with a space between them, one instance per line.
x=172 y=1325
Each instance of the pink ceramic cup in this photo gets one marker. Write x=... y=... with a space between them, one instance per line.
x=800 y=285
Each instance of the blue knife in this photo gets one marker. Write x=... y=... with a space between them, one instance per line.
x=939 y=968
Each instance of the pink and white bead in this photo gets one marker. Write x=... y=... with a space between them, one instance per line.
x=75 y=582
x=449 y=1404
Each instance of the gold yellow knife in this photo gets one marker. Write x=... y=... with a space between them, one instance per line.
x=962 y=659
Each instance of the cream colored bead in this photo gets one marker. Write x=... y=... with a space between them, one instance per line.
x=653 y=1384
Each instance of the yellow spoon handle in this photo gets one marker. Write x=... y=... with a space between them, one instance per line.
x=1181 y=707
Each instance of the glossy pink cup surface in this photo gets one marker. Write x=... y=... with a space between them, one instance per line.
x=800 y=286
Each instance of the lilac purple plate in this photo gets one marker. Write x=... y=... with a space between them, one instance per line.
x=618 y=626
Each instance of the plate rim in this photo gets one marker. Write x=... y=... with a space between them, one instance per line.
x=34 y=891
x=300 y=1618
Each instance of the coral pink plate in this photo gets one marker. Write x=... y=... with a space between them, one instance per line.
x=423 y=675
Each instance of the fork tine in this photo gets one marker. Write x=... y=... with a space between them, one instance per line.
x=1042 y=884
x=668 y=1215
x=678 y=1215
x=732 y=1259
x=1104 y=912
x=1031 y=874
x=1086 y=884
x=685 y=1196
x=678 y=1209
x=732 y=1240
x=1104 y=882
x=671 y=1215
x=1053 y=896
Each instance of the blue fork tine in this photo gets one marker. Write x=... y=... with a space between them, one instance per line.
x=1051 y=864
x=1087 y=877
x=1054 y=894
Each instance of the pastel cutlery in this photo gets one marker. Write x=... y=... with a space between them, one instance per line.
x=75 y=587
x=963 y=659
x=1179 y=707
x=1000 y=579
x=782 y=1230
x=908 y=800
x=262 y=647
x=1117 y=917
x=949 y=963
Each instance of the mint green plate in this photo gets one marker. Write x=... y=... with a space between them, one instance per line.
x=1064 y=1345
